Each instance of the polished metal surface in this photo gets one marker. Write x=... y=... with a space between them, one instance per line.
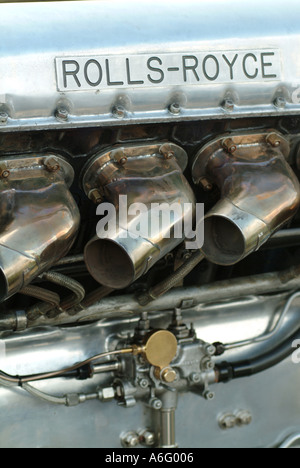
x=259 y=193
x=29 y=422
x=39 y=218
x=151 y=175
x=259 y=77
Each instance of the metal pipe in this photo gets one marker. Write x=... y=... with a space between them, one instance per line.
x=287 y=280
x=38 y=216
x=259 y=193
x=144 y=179
x=167 y=425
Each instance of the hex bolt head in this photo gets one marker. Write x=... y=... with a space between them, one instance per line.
x=147 y=437
x=3 y=118
x=62 y=114
x=208 y=395
x=280 y=102
x=228 y=105
x=51 y=164
x=227 y=421
x=130 y=439
x=143 y=383
x=243 y=418
x=155 y=403
x=207 y=364
x=210 y=350
x=175 y=108
x=95 y=196
x=229 y=146
x=118 y=112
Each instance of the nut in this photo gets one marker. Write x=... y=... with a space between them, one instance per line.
x=129 y=439
x=51 y=164
x=195 y=377
x=95 y=196
x=209 y=395
x=210 y=350
x=4 y=172
x=229 y=146
x=147 y=437
x=143 y=383
x=120 y=157
x=155 y=403
x=118 y=112
x=280 y=102
x=243 y=418
x=227 y=421
x=175 y=108
x=228 y=105
x=62 y=113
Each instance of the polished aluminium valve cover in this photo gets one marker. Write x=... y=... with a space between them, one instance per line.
x=99 y=63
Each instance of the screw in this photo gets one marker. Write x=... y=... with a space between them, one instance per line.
x=118 y=112
x=206 y=184
x=280 y=102
x=209 y=395
x=62 y=113
x=175 y=108
x=229 y=146
x=4 y=172
x=3 y=118
x=130 y=439
x=227 y=421
x=273 y=140
x=52 y=165
x=228 y=105
x=168 y=375
x=95 y=196
x=155 y=403
x=143 y=383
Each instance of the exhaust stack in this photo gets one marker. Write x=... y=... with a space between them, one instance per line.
x=147 y=175
x=38 y=218
x=259 y=193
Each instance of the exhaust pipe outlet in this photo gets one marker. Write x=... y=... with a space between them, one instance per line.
x=259 y=193
x=38 y=218
x=148 y=179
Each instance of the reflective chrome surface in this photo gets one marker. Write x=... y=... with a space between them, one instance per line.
x=39 y=218
x=149 y=174
x=32 y=96
x=259 y=193
x=28 y=422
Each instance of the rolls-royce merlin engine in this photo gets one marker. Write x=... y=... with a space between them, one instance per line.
x=149 y=224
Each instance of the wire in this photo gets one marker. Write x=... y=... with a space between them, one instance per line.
x=21 y=380
x=271 y=334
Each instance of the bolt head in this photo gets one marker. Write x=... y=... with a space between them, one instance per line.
x=273 y=140
x=130 y=439
x=95 y=196
x=195 y=377
x=209 y=395
x=228 y=421
x=168 y=375
x=229 y=146
x=210 y=350
x=144 y=383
